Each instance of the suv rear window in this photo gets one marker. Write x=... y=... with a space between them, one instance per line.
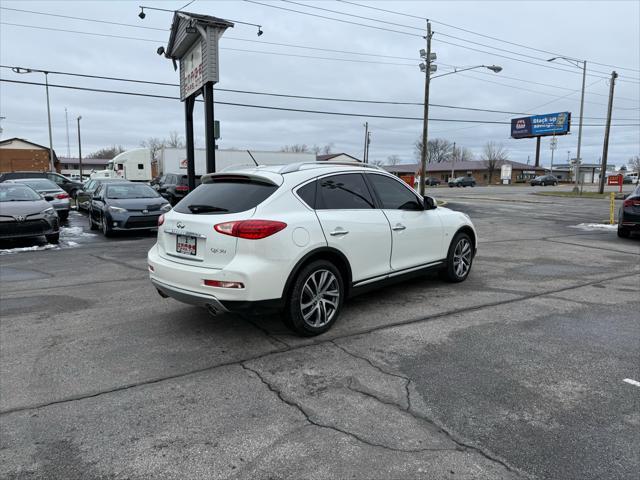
x=228 y=195
x=184 y=180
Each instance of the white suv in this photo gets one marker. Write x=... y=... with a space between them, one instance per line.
x=302 y=238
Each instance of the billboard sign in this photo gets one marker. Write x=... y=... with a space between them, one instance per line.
x=541 y=125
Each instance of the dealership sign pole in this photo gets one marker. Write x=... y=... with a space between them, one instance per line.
x=193 y=43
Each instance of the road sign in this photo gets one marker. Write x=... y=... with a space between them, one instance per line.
x=553 y=143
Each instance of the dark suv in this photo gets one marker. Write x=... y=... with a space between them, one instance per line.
x=173 y=186
x=68 y=185
x=467 y=181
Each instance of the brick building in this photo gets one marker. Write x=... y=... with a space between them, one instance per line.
x=18 y=154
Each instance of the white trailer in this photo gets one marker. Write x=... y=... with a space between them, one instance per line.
x=134 y=165
x=174 y=160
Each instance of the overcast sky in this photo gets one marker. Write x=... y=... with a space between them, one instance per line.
x=607 y=32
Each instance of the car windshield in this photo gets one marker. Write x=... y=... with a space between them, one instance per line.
x=39 y=184
x=17 y=193
x=132 y=190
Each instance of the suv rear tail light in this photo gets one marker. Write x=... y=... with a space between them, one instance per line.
x=182 y=188
x=630 y=202
x=60 y=196
x=160 y=220
x=222 y=284
x=250 y=229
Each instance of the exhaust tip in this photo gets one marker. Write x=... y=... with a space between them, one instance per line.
x=213 y=309
x=162 y=294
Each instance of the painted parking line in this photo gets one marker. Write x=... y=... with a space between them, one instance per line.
x=632 y=382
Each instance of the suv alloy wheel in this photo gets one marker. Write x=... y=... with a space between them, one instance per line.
x=316 y=298
x=459 y=258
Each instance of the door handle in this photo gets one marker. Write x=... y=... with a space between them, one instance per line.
x=399 y=228
x=339 y=233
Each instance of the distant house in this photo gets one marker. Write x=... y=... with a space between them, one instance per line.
x=521 y=172
x=18 y=154
x=336 y=157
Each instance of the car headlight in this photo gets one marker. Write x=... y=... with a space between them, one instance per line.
x=49 y=211
x=116 y=209
x=166 y=207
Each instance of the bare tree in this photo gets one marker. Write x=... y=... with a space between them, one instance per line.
x=494 y=154
x=107 y=152
x=634 y=163
x=154 y=144
x=393 y=160
x=324 y=150
x=174 y=140
x=297 y=148
x=461 y=154
x=438 y=150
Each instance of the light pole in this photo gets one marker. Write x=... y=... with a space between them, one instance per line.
x=46 y=83
x=428 y=68
x=577 y=63
x=79 y=149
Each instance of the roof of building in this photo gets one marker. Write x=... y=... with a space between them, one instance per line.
x=85 y=161
x=331 y=156
x=456 y=166
x=10 y=140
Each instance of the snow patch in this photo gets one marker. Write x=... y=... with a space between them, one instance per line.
x=596 y=226
x=75 y=232
x=8 y=251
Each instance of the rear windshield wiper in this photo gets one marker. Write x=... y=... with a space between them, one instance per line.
x=205 y=209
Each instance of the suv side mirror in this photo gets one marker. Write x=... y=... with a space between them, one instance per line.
x=429 y=203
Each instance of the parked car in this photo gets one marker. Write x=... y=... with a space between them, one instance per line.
x=83 y=196
x=467 y=181
x=173 y=186
x=628 y=179
x=125 y=206
x=629 y=214
x=59 y=198
x=544 y=180
x=302 y=238
x=68 y=185
x=432 y=181
x=25 y=213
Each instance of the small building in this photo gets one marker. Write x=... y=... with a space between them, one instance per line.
x=589 y=172
x=71 y=166
x=18 y=154
x=336 y=157
x=443 y=171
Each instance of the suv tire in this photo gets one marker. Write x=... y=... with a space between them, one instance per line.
x=54 y=238
x=459 y=259
x=107 y=231
x=623 y=232
x=315 y=301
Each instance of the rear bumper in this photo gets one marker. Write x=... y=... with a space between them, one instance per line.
x=193 y=298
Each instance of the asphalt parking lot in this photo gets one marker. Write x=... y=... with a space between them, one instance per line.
x=516 y=373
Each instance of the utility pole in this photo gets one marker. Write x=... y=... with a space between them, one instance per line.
x=66 y=121
x=553 y=146
x=605 y=147
x=425 y=121
x=578 y=158
x=52 y=165
x=366 y=142
x=79 y=149
x=453 y=161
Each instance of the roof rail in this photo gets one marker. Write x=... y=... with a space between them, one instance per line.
x=295 y=167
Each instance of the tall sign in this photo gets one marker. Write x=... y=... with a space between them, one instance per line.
x=193 y=43
x=541 y=125
x=537 y=126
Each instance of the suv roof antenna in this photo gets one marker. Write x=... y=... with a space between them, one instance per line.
x=252 y=158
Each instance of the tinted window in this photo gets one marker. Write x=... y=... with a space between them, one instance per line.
x=226 y=195
x=132 y=190
x=394 y=195
x=343 y=192
x=308 y=194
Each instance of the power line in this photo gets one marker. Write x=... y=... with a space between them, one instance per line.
x=260 y=42
x=482 y=34
x=334 y=19
x=283 y=95
x=268 y=107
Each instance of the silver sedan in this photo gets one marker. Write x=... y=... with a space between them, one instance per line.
x=56 y=196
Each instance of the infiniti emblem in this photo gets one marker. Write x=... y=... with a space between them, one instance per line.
x=20 y=218
x=180 y=225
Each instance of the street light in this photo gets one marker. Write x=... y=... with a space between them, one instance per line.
x=79 y=149
x=46 y=83
x=576 y=63
x=428 y=68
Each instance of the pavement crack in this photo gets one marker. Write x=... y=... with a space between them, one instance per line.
x=117 y=262
x=317 y=423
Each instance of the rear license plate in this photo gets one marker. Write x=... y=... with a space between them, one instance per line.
x=186 y=245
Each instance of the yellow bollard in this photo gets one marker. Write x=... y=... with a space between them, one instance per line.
x=612 y=208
